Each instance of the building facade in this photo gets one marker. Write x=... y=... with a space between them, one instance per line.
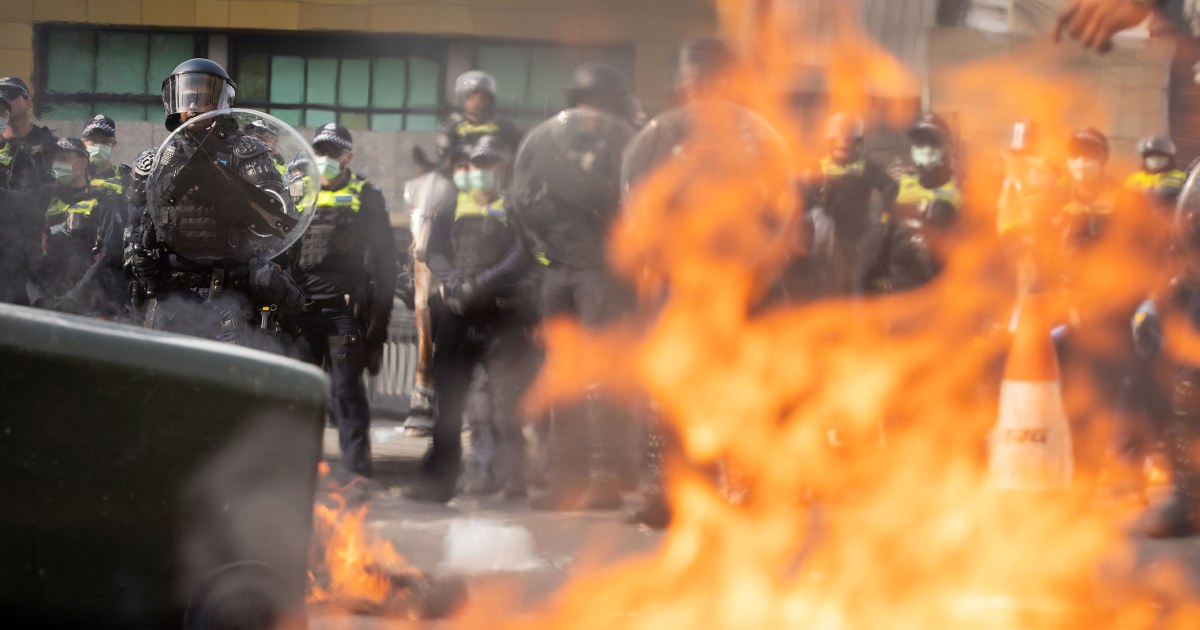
x=383 y=68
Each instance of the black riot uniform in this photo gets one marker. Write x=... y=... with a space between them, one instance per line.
x=900 y=252
x=24 y=161
x=841 y=185
x=346 y=265
x=196 y=265
x=1161 y=395
x=76 y=266
x=566 y=194
x=475 y=251
x=459 y=131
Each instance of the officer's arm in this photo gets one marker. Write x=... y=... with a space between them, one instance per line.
x=875 y=250
x=381 y=245
x=439 y=253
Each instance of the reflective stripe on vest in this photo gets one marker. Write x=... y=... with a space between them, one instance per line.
x=1142 y=180
x=84 y=207
x=468 y=207
x=348 y=195
x=112 y=184
x=6 y=155
x=913 y=193
x=829 y=168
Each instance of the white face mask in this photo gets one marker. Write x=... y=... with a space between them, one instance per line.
x=328 y=167
x=1157 y=163
x=926 y=156
x=1084 y=169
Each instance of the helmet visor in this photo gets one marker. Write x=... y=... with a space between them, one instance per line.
x=197 y=93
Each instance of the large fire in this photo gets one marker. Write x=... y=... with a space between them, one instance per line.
x=901 y=527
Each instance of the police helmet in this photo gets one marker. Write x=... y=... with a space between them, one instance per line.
x=844 y=126
x=1161 y=145
x=930 y=129
x=1088 y=140
x=598 y=84
x=199 y=83
x=474 y=81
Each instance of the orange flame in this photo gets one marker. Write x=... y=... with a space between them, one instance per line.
x=905 y=531
x=350 y=565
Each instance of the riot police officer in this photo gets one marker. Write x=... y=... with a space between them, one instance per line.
x=79 y=266
x=600 y=86
x=1162 y=391
x=199 y=262
x=566 y=193
x=29 y=147
x=1159 y=181
x=900 y=253
x=488 y=307
x=100 y=137
x=346 y=265
x=475 y=91
x=842 y=185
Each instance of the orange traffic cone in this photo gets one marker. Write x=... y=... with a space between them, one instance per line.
x=1031 y=442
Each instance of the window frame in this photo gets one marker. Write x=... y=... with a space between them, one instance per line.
x=44 y=97
x=577 y=53
x=335 y=45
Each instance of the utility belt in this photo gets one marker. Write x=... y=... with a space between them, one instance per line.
x=312 y=306
x=216 y=281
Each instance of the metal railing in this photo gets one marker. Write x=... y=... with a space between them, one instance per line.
x=389 y=391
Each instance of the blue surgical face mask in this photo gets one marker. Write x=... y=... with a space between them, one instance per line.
x=3 y=124
x=460 y=181
x=483 y=181
x=63 y=172
x=328 y=167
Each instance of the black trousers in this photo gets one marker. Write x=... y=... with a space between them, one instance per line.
x=591 y=436
x=335 y=333
x=501 y=342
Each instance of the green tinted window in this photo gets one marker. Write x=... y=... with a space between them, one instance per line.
x=509 y=65
x=421 y=122
x=423 y=82
x=126 y=111
x=252 y=77
x=318 y=117
x=354 y=83
x=167 y=50
x=71 y=63
x=548 y=75
x=121 y=61
x=322 y=81
x=354 y=120
x=68 y=111
x=286 y=114
x=389 y=81
x=287 y=79
x=387 y=122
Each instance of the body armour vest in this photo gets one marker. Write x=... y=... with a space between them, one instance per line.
x=480 y=236
x=331 y=255
x=70 y=241
x=201 y=232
